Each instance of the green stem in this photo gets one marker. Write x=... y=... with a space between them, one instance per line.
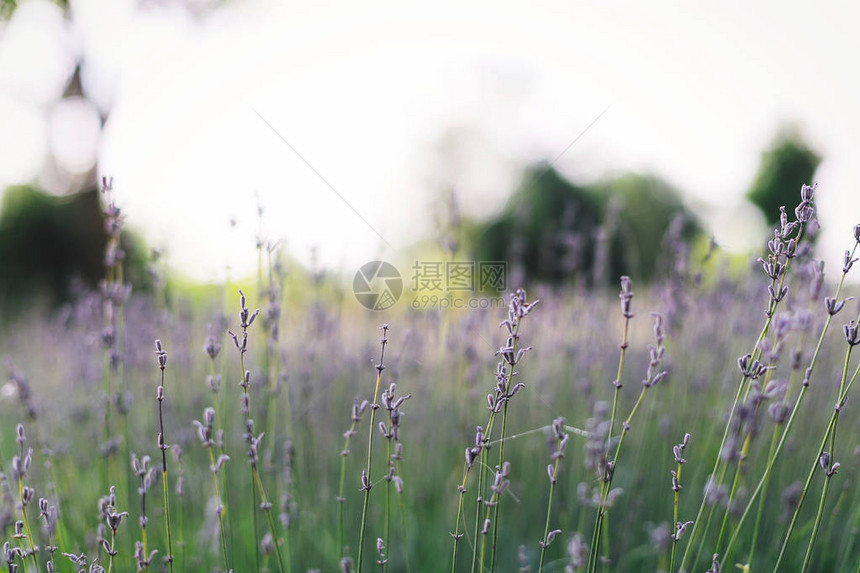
x=735 y=484
x=718 y=467
x=165 y=490
x=499 y=498
x=388 y=503
x=552 y=484
x=624 y=345
x=818 y=515
x=790 y=423
x=479 y=500
x=26 y=519
x=828 y=434
x=373 y=407
x=772 y=306
x=217 y=482
x=674 y=521
x=762 y=498
x=467 y=471
x=110 y=555
x=268 y=511
x=341 y=500
x=593 y=560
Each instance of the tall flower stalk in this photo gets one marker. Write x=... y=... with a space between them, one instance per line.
x=783 y=249
x=653 y=376
x=366 y=480
x=357 y=411
x=210 y=439
x=824 y=458
x=20 y=466
x=680 y=526
x=391 y=432
x=502 y=392
x=142 y=469
x=560 y=438
x=161 y=356
x=246 y=319
x=833 y=306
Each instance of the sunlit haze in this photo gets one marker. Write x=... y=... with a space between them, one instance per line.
x=348 y=122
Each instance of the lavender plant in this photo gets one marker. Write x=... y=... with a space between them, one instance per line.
x=503 y=391
x=246 y=319
x=773 y=410
x=560 y=438
x=366 y=478
x=653 y=376
x=161 y=356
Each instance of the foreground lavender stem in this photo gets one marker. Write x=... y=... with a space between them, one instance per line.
x=161 y=355
x=783 y=250
x=789 y=424
x=653 y=377
x=246 y=319
x=561 y=440
x=366 y=480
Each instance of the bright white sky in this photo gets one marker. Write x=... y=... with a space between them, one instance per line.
x=366 y=92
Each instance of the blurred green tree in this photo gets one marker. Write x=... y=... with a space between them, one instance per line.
x=48 y=242
x=554 y=230
x=646 y=207
x=785 y=166
x=548 y=227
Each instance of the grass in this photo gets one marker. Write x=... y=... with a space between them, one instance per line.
x=576 y=464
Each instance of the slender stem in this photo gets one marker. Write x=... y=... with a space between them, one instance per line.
x=479 y=500
x=341 y=500
x=249 y=438
x=607 y=486
x=373 y=407
x=162 y=445
x=626 y=298
x=734 y=490
x=220 y=509
x=762 y=499
x=467 y=469
x=774 y=441
x=495 y=499
x=772 y=306
x=25 y=518
x=405 y=531
x=499 y=498
x=219 y=398
x=675 y=521
x=143 y=521
x=718 y=459
x=625 y=343
x=267 y=509
x=818 y=515
x=384 y=565
x=790 y=423
x=106 y=438
x=553 y=479
x=829 y=432
x=110 y=554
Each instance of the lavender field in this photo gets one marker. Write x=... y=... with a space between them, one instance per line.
x=701 y=422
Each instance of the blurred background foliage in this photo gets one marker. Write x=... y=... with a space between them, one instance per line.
x=786 y=165
x=51 y=245
x=556 y=230
x=551 y=231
